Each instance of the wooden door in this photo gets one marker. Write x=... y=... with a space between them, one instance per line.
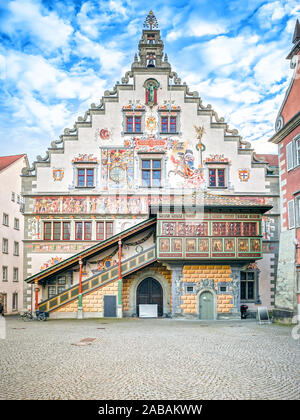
x=150 y=292
x=206 y=302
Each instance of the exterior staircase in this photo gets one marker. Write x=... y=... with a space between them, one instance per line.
x=100 y=279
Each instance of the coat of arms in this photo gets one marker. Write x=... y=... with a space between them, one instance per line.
x=244 y=175
x=58 y=174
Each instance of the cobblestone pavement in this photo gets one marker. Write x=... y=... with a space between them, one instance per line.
x=148 y=359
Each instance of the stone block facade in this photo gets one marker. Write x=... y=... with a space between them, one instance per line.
x=202 y=277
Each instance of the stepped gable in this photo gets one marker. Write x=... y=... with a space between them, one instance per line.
x=151 y=47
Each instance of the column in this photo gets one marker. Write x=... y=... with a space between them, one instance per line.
x=80 y=311
x=36 y=284
x=119 y=306
x=176 y=288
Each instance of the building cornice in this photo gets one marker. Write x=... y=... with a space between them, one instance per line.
x=286 y=130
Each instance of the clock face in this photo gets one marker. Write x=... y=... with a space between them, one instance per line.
x=117 y=174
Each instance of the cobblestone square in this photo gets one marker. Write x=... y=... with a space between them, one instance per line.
x=148 y=359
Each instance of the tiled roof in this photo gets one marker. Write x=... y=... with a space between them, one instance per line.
x=271 y=159
x=5 y=161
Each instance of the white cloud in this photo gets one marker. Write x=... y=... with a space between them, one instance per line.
x=196 y=28
x=43 y=26
x=109 y=59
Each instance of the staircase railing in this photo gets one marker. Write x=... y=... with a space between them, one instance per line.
x=100 y=279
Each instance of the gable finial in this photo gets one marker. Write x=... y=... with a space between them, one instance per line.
x=150 y=21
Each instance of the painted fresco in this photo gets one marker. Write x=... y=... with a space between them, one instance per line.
x=117 y=170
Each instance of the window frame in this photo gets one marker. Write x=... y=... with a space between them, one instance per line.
x=16 y=223
x=86 y=223
x=136 y=122
x=5 y=219
x=151 y=170
x=16 y=249
x=105 y=230
x=44 y=231
x=5 y=270
x=291 y=214
x=64 y=230
x=254 y=281
x=168 y=124
x=85 y=176
x=217 y=177
x=53 y=231
x=15 y=274
x=5 y=245
x=81 y=236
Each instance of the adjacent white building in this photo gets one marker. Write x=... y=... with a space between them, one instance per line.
x=11 y=232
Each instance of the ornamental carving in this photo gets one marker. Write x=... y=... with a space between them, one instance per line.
x=85 y=158
x=216 y=158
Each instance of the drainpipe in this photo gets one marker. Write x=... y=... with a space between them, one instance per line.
x=119 y=306
x=80 y=312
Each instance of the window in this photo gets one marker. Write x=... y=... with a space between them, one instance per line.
x=47 y=231
x=293 y=153
x=87 y=231
x=100 y=231
x=168 y=124
x=289 y=156
x=151 y=173
x=56 y=231
x=5 y=246
x=15 y=274
x=109 y=229
x=15 y=301
x=104 y=230
x=16 y=224
x=51 y=291
x=133 y=124
x=298 y=210
x=78 y=231
x=216 y=177
x=297 y=151
x=18 y=199
x=5 y=219
x=66 y=231
x=4 y=273
x=247 y=285
x=12 y=196
x=249 y=229
x=16 y=248
x=85 y=177
x=291 y=214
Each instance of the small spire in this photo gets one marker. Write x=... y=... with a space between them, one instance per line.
x=150 y=21
x=296 y=36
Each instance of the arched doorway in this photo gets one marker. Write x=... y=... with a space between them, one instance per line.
x=149 y=292
x=206 y=305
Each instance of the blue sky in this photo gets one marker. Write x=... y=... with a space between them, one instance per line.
x=58 y=57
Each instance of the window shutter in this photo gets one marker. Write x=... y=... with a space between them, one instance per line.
x=289 y=156
x=291 y=214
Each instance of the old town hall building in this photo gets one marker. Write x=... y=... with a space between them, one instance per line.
x=150 y=199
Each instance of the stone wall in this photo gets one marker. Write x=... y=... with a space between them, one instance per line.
x=92 y=303
x=204 y=277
